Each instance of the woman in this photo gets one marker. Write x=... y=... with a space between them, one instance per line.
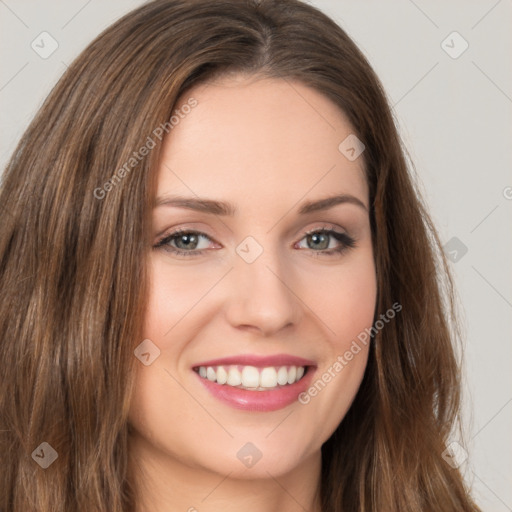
x=221 y=288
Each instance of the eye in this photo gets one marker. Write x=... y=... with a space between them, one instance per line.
x=186 y=242
x=328 y=242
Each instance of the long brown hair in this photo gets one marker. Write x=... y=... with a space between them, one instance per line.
x=73 y=246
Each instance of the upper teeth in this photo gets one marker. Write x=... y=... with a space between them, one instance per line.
x=252 y=377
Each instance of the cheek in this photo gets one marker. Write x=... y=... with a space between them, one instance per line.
x=173 y=293
x=346 y=306
x=355 y=308
x=345 y=300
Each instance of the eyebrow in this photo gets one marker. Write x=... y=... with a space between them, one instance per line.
x=226 y=208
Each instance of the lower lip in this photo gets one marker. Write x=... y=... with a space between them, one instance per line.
x=271 y=400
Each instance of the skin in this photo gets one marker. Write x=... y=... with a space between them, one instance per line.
x=266 y=145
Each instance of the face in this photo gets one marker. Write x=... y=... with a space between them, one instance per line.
x=255 y=304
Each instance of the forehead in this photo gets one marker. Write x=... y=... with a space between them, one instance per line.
x=259 y=139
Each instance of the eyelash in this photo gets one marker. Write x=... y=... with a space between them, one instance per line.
x=346 y=241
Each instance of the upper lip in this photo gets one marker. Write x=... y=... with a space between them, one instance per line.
x=259 y=361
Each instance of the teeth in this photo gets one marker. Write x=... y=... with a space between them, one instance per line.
x=222 y=375
x=210 y=374
x=250 y=377
x=234 y=377
x=268 y=378
x=282 y=376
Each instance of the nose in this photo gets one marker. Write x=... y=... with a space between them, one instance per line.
x=262 y=297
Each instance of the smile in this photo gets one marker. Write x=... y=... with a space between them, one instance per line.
x=255 y=382
x=251 y=377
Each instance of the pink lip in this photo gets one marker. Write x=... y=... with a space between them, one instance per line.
x=259 y=361
x=271 y=400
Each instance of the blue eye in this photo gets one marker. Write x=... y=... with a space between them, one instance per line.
x=185 y=242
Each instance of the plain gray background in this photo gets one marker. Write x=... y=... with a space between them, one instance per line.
x=454 y=115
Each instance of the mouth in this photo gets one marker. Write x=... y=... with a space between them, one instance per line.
x=256 y=383
x=251 y=377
